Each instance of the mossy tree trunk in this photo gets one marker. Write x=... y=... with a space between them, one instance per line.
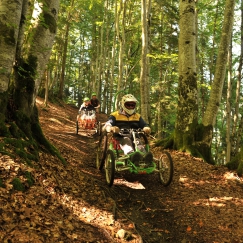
x=189 y=135
x=187 y=111
x=209 y=117
x=18 y=115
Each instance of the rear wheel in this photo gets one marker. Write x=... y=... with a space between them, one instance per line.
x=110 y=167
x=166 y=168
x=101 y=151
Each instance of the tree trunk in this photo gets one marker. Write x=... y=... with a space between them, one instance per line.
x=143 y=73
x=46 y=79
x=22 y=116
x=113 y=55
x=187 y=111
x=10 y=15
x=228 y=108
x=209 y=117
x=236 y=136
x=121 y=39
x=236 y=121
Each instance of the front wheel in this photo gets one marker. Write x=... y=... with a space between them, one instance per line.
x=110 y=167
x=101 y=151
x=166 y=168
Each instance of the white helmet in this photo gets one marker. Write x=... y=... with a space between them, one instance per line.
x=128 y=104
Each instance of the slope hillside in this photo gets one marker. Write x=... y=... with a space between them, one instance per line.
x=72 y=203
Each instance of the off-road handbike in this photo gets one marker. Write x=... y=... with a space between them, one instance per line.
x=110 y=156
x=87 y=122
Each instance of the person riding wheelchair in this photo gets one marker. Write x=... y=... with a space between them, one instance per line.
x=87 y=119
x=123 y=146
x=127 y=118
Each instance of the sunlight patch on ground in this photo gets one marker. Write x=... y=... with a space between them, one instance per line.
x=231 y=176
x=218 y=201
x=55 y=120
x=86 y=212
x=133 y=185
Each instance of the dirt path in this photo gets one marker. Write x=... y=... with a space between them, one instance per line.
x=203 y=203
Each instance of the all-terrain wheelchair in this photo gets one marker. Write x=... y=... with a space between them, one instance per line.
x=110 y=156
x=87 y=122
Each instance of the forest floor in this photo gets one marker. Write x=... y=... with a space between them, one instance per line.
x=72 y=203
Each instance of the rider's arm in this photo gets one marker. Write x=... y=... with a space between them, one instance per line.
x=110 y=123
x=143 y=125
x=98 y=104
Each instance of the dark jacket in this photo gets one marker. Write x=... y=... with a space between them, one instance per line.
x=95 y=102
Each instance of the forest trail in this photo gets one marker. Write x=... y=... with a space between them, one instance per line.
x=72 y=203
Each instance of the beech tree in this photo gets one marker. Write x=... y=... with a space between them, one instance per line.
x=189 y=136
x=187 y=109
x=209 y=118
x=22 y=66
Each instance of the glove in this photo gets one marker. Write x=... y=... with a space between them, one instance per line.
x=111 y=129
x=115 y=129
x=147 y=130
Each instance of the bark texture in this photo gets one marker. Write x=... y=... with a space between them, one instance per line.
x=10 y=15
x=187 y=112
x=43 y=35
x=209 y=117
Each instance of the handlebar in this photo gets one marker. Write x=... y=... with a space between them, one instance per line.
x=124 y=131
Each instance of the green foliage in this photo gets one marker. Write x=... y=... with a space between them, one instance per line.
x=29 y=177
x=17 y=185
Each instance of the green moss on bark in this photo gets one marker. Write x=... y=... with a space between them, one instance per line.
x=49 y=22
x=9 y=33
x=236 y=164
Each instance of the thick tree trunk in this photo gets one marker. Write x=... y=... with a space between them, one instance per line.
x=23 y=131
x=10 y=16
x=209 y=117
x=187 y=111
x=42 y=38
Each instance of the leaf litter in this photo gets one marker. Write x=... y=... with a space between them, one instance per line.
x=72 y=203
